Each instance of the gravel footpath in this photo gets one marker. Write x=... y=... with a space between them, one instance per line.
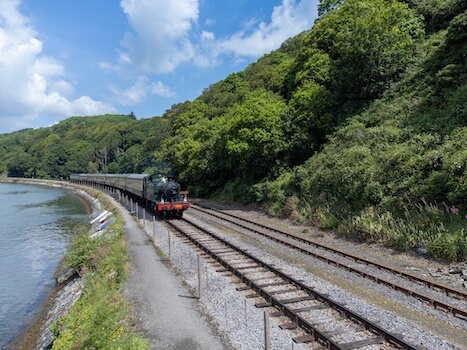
x=166 y=312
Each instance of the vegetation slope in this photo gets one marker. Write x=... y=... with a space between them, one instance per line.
x=358 y=125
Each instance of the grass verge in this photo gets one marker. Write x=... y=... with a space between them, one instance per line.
x=100 y=319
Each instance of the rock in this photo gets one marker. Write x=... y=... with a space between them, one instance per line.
x=65 y=297
x=411 y=268
x=421 y=249
x=66 y=275
x=455 y=271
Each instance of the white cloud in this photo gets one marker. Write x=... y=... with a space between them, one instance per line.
x=139 y=91
x=161 y=39
x=85 y=105
x=287 y=20
x=33 y=85
x=107 y=66
x=48 y=66
x=207 y=36
x=164 y=34
x=160 y=89
x=63 y=87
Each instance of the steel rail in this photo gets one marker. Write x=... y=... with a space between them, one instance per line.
x=270 y=299
x=439 y=305
x=455 y=311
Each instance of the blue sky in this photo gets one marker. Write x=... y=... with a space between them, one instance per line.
x=63 y=58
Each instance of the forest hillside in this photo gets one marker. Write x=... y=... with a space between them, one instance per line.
x=357 y=125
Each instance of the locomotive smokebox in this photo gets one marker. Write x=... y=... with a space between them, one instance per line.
x=171 y=190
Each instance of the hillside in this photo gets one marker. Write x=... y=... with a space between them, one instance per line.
x=358 y=125
x=114 y=143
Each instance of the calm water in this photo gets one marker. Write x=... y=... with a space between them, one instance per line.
x=35 y=225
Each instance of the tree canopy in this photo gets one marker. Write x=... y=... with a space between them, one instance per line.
x=357 y=118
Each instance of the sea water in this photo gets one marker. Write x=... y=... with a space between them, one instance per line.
x=35 y=227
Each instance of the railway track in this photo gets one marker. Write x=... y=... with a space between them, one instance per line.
x=318 y=317
x=444 y=298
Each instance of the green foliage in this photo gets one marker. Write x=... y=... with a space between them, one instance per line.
x=83 y=145
x=244 y=143
x=270 y=72
x=325 y=6
x=82 y=250
x=19 y=163
x=236 y=190
x=325 y=219
x=253 y=135
x=439 y=229
x=452 y=174
x=308 y=120
x=370 y=43
x=99 y=319
x=282 y=196
x=223 y=95
x=194 y=151
x=438 y=13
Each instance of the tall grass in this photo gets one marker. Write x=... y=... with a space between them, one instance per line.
x=100 y=318
x=438 y=230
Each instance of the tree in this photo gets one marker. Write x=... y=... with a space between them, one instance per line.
x=269 y=72
x=80 y=153
x=308 y=121
x=53 y=156
x=108 y=148
x=253 y=135
x=369 y=42
x=326 y=6
x=20 y=164
x=224 y=95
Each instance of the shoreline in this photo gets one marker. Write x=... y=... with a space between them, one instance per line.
x=37 y=334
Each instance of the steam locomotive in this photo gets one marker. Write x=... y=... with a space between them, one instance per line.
x=158 y=192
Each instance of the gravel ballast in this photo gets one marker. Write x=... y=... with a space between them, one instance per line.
x=167 y=287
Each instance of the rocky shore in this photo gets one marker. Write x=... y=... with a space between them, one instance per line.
x=65 y=297
x=66 y=292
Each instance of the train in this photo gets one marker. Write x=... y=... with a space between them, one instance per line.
x=158 y=192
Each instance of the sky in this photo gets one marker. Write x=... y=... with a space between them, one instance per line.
x=64 y=58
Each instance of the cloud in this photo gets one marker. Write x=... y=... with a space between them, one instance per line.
x=36 y=88
x=139 y=91
x=258 y=38
x=207 y=36
x=160 y=41
x=161 y=90
x=33 y=85
x=165 y=34
x=287 y=20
